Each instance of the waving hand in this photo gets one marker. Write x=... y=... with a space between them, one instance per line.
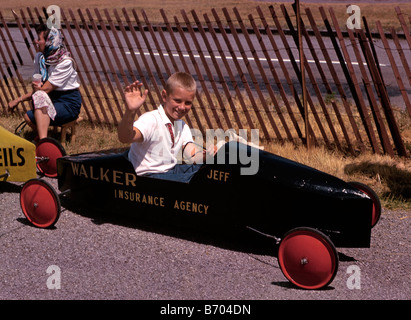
x=134 y=97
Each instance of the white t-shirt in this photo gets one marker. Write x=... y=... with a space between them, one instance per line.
x=156 y=153
x=63 y=76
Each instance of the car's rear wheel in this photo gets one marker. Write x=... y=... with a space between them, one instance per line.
x=40 y=203
x=376 y=203
x=308 y=258
x=48 y=150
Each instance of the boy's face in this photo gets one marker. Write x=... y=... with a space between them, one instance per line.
x=178 y=103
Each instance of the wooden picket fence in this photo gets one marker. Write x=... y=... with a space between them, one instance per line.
x=247 y=69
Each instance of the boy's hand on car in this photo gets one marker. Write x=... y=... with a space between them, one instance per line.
x=210 y=151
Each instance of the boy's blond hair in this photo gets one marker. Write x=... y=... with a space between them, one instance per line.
x=182 y=80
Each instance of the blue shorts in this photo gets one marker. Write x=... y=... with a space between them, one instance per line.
x=181 y=173
x=67 y=105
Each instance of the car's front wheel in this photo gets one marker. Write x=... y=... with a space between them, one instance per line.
x=308 y=258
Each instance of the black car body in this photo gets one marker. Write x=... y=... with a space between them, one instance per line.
x=280 y=196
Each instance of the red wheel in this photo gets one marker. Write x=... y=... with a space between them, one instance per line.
x=376 y=204
x=48 y=150
x=308 y=258
x=40 y=203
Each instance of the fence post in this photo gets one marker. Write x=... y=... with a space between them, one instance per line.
x=337 y=84
x=302 y=72
x=385 y=102
x=351 y=78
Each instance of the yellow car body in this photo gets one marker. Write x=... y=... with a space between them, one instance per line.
x=17 y=157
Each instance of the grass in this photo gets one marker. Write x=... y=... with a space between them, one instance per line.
x=389 y=177
x=383 y=12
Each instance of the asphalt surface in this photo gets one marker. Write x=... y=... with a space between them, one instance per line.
x=94 y=257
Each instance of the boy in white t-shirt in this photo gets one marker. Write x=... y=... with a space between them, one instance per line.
x=158 y=136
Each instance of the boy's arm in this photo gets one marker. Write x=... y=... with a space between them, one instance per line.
x=194 y=154
x=127 y=133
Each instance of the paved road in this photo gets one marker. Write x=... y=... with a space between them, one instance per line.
x=105 y=258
